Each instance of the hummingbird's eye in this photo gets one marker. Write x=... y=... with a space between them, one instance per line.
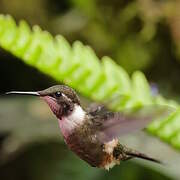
x=58 y=94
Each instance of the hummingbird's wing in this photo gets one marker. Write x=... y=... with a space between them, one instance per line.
x=108 y=125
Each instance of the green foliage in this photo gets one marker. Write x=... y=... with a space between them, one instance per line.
x=79 y=67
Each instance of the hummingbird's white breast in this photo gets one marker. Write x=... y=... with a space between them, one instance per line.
x=77 y=116
x=68 y=123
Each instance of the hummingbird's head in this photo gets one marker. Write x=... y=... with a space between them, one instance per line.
x=61 y=99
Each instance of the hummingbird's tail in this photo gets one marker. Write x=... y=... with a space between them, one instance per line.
x=135 y=154
x=124 y=153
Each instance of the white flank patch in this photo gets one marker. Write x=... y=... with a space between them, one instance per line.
x=111 y=164
x=109 y=146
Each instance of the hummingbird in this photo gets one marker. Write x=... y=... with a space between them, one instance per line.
x=92 y=133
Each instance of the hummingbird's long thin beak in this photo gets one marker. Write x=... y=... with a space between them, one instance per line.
x=23 y=93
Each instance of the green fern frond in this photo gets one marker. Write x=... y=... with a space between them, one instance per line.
x=79 y=67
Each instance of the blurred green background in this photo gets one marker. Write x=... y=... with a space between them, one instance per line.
x=138 y=35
